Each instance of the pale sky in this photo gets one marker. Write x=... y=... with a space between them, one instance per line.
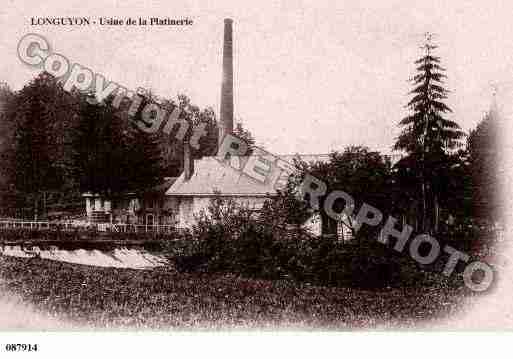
x=310 y=77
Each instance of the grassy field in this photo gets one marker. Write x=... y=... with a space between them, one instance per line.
x=164 y=298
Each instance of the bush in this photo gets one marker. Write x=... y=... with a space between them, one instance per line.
x=232 y=238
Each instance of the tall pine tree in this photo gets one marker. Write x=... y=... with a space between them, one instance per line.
x=427 y=136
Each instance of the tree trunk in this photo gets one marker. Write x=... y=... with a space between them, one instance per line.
x=437 y=214
x=45 y=210
x=423 y=224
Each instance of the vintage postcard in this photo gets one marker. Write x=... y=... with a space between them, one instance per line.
x=228 y=167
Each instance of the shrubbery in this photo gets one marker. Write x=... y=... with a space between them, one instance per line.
x=233 y=238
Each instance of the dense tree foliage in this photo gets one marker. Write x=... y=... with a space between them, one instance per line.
x=208 y=143
x=40 y=158
x=482 y=145
x=56 y=145
x=6 y=131
x=358 y=171
x=114 y=156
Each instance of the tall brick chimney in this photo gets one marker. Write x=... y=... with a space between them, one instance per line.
x=226 y=123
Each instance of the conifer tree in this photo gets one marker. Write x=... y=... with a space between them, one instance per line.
x=427 y=136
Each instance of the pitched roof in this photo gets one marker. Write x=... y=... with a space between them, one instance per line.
x=211 y=176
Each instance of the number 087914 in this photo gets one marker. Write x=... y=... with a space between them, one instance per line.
x=21 y=347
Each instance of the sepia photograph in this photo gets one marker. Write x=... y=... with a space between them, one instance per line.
x=278 y=167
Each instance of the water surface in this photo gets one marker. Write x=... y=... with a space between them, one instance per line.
x=122 y=257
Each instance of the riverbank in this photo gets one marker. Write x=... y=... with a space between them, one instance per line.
x=163 y=298
x=84 y=239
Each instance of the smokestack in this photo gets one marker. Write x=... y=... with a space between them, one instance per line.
x=226 y=124
x=188 y=161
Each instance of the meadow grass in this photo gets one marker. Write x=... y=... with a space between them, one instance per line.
x=163 y=298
